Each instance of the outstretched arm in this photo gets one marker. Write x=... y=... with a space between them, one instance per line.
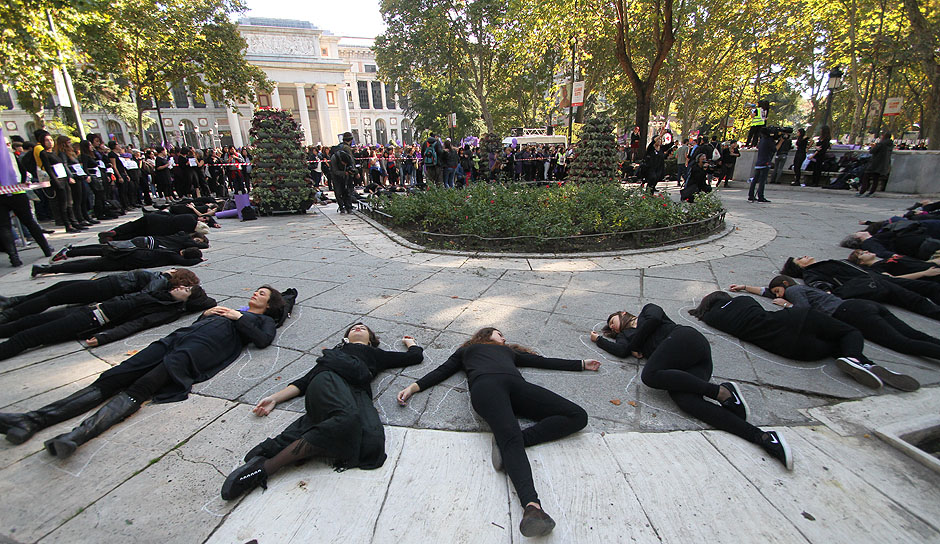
x=267 y=404
x=617 y=347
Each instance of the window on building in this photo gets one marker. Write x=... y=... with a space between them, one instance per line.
x=115 y=132
x=152 y=134
x=370 y=68
x=355 y=133
x=189 y=134
x=164 y=104
x=216 y=103
x=30 y=128
x=349 y=100
x=403 y=102
x=331 y=98
x=381 y=137
x=309 y=101
x=264 y=100
x=324 y=52
x=363 y=94
x=406 y=132
x=377 y=95
x=394 y=133
x=5 y=100
x=199 y=101
x=180 y=97
x=389 y=98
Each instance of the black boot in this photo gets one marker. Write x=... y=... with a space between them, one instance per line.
x=112 y=413
x=15 y=259
x=40 y=269
x=21 y=427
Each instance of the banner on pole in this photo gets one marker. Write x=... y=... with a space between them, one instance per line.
x=60 y=89
x=577 y=95
x=893 y=106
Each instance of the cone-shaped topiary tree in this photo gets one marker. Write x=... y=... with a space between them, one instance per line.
x=596 y=159
x=279 y=163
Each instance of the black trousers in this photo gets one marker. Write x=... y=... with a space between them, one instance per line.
x=682 y=366
x=90 y=250
x=97 y=264
x=79 y=200
x=925 y=288
x=882 y=327
x=343 y=188
x=43 y=329
x=895 y=291
x=142 y=383
x=68 y=292
x=825 y=336
x=869 y=182
x=19 y=205
x=62 y=203
x=500 y=399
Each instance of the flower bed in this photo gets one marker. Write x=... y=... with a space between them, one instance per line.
x=570 y=218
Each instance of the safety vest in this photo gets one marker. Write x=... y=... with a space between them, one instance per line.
x=758 y=120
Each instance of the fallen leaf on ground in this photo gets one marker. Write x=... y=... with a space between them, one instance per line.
x=615 y=402
x=132 y=352
x=632 y=403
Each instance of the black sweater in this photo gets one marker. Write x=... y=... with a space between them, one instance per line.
x=375 y=359
x=652 y=327
x=482 y=359
x=778 y=332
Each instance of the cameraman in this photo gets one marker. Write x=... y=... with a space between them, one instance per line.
x=343 y=172
x=766 y=148
x=780 y=159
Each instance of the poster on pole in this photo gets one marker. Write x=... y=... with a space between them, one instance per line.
x=577 y=95
x=60 y=89
x=893 y=106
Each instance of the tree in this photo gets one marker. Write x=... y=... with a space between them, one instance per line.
x=32 y=49
x=429 y=43
x=651 y=22
x=158 y=44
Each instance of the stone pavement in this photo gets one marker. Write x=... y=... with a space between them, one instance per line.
x=641 y=470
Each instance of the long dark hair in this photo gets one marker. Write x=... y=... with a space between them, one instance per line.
x=711 y=299
x=625 y=317
x=276 y=303
x=825 y=134
x=790 y=268
x=483 y=335
x=373 y=339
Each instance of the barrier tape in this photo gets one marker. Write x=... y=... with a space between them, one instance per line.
x=10 y=189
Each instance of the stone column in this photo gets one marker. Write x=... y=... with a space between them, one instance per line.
x=326 y=127
x=344 y=107
x=236 y=128
x=304 y=114
x=275 y=98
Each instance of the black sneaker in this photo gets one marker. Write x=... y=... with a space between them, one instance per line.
x=894 y=379
x=763 y=200
x=61 y=254
x=774 y=444
x=535 y=522
x=862 y=375
x=735 y=403
x=245 y=478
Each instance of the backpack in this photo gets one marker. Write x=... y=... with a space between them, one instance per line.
x=338 y=163
x=716 y=154
x=249 y=213
x=430 y=155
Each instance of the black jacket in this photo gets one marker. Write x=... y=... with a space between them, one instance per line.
x=778 y=332
x=199 y=351
x=135 y=257
x=133 y=313
x=652 y=327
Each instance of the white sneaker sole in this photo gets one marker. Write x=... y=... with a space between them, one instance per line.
x=859 y=373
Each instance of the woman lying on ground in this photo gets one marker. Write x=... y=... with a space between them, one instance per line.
x=499 y=394
x=801 y=334
x=96 y=290
x=340 y=422
x=679 y=361
x=897 y=265
x=154 y=224
x=108 y=259
x=175 y=244
x=872 y=319
x=164 y=371
x=847 y=280
x=103 y=322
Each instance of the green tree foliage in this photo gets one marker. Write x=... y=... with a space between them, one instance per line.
x=597 y=153
x=279 y=163
x=157 y=44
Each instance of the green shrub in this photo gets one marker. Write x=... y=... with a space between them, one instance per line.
x=498 y=211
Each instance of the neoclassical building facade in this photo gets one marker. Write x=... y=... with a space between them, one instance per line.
x=329 y=83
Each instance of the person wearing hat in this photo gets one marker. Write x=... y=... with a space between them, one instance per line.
x=343 y=171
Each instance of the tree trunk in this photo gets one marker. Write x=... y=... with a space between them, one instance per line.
x=643 y=121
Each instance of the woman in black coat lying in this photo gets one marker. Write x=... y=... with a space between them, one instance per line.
x=164 y=371
x=340 y=423
x=154 y=224
x=802 y=334
x=103 y=322
x=679 y=361
x=111 y=258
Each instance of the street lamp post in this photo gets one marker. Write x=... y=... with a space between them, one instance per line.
x=834 y=83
